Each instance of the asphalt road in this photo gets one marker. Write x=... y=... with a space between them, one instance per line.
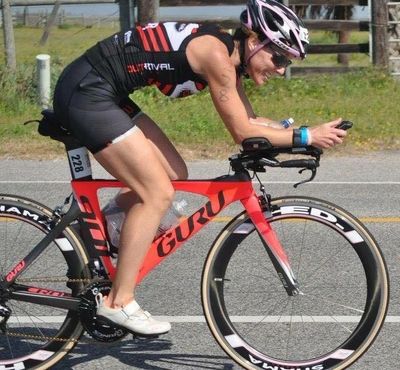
x=367 y=185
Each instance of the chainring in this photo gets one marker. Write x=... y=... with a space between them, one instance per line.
x=94 y=325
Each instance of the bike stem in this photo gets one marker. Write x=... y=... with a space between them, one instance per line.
x=272 y=245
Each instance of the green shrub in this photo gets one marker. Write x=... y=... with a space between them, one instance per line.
x=18 y=89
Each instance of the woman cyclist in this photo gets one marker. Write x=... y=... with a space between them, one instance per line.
x=91 y=100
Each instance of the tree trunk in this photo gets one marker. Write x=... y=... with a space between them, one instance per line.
x=148 y=11
x=8 y=33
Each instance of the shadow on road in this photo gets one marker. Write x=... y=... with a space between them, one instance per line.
x=154 y=354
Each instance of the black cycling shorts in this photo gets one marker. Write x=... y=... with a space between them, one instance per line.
x=87 y=106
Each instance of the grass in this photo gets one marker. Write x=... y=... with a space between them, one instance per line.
x=369 y=98
x=64 y=44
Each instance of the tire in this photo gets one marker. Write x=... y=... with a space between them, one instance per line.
x=22 y=225
x=343 y=282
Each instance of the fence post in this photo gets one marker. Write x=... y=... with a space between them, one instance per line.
x=394 y=35
x=26 y=16
x=8 y=33
x=379 y=31
x=50 y=22
x=126 y=14
x=43 y=75
x=148 y=11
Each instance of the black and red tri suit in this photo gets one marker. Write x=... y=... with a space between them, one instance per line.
x=92 y=95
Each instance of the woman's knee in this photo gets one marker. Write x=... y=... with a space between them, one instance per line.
x=157 y=198
x=160 y=196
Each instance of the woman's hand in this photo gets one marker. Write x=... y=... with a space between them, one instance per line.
x=327 y=135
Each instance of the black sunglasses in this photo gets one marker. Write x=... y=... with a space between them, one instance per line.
x=279 y=60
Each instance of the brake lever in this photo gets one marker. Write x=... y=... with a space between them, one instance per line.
x=313 y=173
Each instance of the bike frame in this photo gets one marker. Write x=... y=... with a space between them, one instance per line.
x=220 y=192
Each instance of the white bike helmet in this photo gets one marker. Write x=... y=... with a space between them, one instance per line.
x=276 y=23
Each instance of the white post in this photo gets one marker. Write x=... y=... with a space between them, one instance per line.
x=43 y=73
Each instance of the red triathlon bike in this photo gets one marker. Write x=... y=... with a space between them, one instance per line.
x=289 y=283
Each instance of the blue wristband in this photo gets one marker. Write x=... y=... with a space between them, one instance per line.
x=304 y=136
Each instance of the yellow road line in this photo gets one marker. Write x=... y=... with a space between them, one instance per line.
x=362 y=219
x=379 y=219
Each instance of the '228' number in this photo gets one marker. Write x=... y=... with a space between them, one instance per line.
x=77 y=163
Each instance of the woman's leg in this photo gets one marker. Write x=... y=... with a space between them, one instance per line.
x=169 y=157
x=92 y=115
x=135 y=162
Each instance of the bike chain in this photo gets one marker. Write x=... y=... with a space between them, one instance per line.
x=56 y=280
x=49 y=338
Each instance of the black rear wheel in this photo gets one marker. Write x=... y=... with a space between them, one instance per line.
x=343 y=289
x=37 y=336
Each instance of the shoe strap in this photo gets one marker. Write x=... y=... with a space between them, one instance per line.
x=131 y=308
x=147 y=313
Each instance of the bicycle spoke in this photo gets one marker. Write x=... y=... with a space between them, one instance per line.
x=20 y=328
x=322 y=264
x=343 y=326
x=290 y=331
x=272 y=293
x=252 y=328
x=301 y=250
x=325 y=300
x=32 y=318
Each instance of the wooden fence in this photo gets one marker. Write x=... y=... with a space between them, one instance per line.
x=147 y=10
x=376 y=26
x=325 y=25
x=40 y=19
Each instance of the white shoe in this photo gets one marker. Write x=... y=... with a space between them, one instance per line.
x=132 y=318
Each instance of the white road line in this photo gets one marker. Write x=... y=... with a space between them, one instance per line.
x=201 y=319
x=254 y=182
x=34 y=182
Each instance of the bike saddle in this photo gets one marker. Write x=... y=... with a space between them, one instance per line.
x=50 y=126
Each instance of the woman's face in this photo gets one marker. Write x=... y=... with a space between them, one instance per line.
x=266 y=63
